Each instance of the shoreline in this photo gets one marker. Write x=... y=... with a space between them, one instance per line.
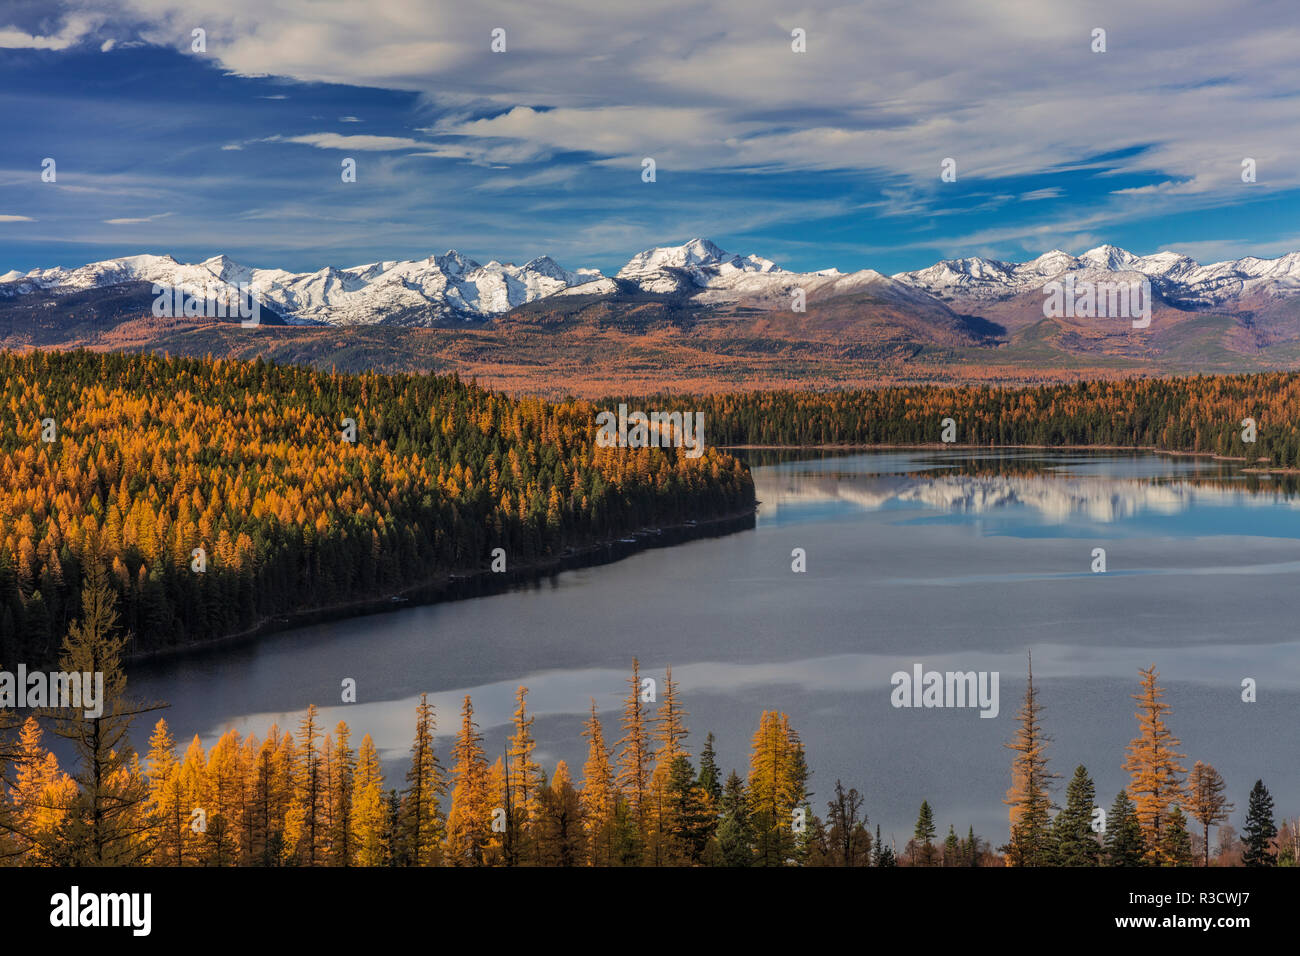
x=462 y=585
x=940 y=446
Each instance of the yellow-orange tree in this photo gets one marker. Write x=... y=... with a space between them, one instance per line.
x=220 y=493
x=1156 y=777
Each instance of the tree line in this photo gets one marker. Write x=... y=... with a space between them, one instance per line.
x=312 y=798
x=1202 y=413
x=223 y=493
x=1163 y=818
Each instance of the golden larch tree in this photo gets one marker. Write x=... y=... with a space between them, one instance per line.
x=369 y=815
x=599 y=793
x=469 y=822
x=1156 y=781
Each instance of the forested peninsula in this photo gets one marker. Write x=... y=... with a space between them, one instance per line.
x=220 y=494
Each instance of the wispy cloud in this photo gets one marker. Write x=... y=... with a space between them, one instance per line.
x=359 y=142
x=135 y=221
x=1053 y=144
x=74 y=28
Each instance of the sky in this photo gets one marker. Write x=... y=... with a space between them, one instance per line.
x=830 y=157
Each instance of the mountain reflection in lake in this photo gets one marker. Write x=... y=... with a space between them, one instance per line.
x=953 y=560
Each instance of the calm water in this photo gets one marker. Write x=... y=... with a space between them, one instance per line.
x=958 y=562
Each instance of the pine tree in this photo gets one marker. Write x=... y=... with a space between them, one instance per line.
x=1155 y=774
x=735 y=829
x=43 y=797
x=923 y=837
x=421 y=822
x=670 y=727
x=1076 y=845
x=599 y=794
x=1029 y=799
x=341 y=793
x=1206 y=800
x=164 y=806
x=305 y=834
x=710 y=778
x=883 y=854
x=246 y=802
x=1123 y=843
x=393 y=829
x=951 y=848
x=560 y=835
x=693 y=811
x=470 y=820
x=1175 y=844
x=272 y=793
x=369 y=815
x=777 y=785
x=1260 y=830
x=524 y=780
x=110 y=805
x=502 y=847
x=193 y=786
x=219 y=796
x=634 y=752
x=670 y=796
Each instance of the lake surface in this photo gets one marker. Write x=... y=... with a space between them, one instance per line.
x=952 y=560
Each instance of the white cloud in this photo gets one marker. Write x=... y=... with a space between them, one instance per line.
x=361 y=143
x=1011 y=88
x=887 y=89
x=75 y=28
x=16 y=219
x=135 y=221
x=546 y=177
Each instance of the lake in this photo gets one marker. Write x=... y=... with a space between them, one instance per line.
x=956 y=561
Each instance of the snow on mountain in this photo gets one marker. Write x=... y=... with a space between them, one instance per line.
x=601 y=286
x=1176 y=278
x=406 y=292
x=714 y=277
x=454 y=286
x=699 y=262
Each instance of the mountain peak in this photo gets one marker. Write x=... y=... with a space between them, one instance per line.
x=453 y=263
x=224 y=267
x=693 y=253
x=1108 y=257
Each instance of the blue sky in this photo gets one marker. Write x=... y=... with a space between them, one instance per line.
x=825 y=158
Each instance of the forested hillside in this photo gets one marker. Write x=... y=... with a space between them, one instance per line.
x=1196 y=414
x=144 y=459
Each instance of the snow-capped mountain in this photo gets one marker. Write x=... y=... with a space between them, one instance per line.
x=453 y=286
x=713 y=277
x=1175 y=278
x=404 y=292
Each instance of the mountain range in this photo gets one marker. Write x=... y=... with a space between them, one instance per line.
x=689 y=315
x=431 y=291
